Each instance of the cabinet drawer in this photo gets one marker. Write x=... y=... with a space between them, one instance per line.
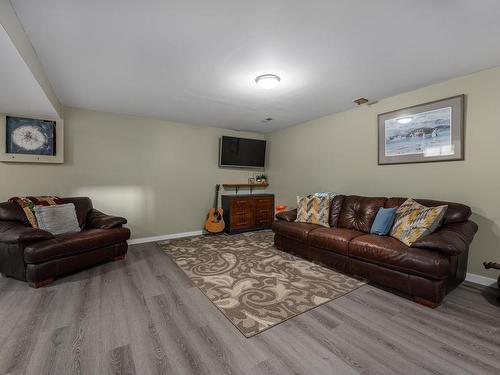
x=244 y=220
x=264 y=202
x=262 y=221
x=241 y=205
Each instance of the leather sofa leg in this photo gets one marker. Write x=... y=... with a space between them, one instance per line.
x=42 y=283
x=120 y=257
x=426 y=303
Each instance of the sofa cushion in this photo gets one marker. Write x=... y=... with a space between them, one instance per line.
x=83 y=206
x=73 y=243
x=359 y=212
x=335 y=209
x=10 y=211
x=391 y=253
x=383 y=221
x=334 y=239
x=313 y=210
x=295 y=231
x=456 y=212
x=57 y=219
x=414 y=221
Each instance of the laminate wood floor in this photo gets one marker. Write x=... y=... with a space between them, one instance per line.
x=143 y=316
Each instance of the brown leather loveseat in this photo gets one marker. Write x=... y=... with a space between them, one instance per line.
x=37 y=256
x=430 y=268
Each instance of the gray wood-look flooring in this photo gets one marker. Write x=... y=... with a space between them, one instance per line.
x=143 y=316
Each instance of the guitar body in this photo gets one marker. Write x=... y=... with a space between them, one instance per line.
x=215 y=222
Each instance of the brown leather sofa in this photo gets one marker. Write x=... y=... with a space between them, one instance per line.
x=430 y=268
x=37 y=256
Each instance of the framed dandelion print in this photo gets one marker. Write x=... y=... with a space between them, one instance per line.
x=31 y=140
x=427 y=132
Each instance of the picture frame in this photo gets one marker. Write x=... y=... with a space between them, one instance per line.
x=428 y=132
x=31 y=140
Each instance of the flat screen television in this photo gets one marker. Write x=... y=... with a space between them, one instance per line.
x=241 y=152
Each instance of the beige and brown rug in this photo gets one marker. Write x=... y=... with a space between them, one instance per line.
x=255 y=285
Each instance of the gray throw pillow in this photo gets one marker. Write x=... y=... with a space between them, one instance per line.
x=57 y=219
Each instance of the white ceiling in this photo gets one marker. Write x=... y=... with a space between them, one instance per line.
x=194 y=61
x=20 y=93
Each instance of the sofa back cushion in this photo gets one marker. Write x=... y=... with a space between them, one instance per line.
x=456 y=212
x=335 y=209
x=83 y=206
x=359 y=212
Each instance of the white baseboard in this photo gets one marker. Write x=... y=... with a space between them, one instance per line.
x=481 y=280
x=136 y=241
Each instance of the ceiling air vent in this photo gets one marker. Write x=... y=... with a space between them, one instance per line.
x=360 y=101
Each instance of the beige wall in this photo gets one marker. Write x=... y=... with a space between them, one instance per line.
x=161 y=175
x=158 y=174
x=339 y=153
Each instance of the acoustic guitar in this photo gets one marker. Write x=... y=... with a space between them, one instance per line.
x=215 y=222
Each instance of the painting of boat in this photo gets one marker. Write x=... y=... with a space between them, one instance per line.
x=418 y=133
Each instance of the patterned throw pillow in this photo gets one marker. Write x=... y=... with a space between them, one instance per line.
x=414 y=221
x=328 y=194
x=313 y=210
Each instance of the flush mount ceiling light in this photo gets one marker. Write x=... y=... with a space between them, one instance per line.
x=267 y=81
x=405 y=120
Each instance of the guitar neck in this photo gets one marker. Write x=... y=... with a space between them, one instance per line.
x=216 y=202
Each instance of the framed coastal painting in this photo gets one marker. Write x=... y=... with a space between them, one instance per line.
x=31 y=140
x=427 y=132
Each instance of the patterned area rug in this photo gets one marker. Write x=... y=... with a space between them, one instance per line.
x=255 y=285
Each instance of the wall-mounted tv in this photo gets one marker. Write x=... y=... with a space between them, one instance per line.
x=242 y=152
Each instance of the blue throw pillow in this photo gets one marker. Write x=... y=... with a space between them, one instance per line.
x=383 y=221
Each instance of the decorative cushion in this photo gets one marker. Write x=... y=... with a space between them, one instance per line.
x=57 y=219
x=414 y=221
x=383 y=221
x=313 y=210
x=321 y=194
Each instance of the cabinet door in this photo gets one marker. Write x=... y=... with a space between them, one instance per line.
x=242 y=213
x=264 y=211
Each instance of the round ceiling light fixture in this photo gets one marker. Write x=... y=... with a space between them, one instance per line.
x=267 y=81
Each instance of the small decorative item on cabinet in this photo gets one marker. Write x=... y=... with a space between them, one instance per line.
x=263 y=179
x=257 y=179
x=281 y=207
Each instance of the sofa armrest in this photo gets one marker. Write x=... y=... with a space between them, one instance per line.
x=98 y=220
x=14 y=232
x=452 y=239
x=287 y=215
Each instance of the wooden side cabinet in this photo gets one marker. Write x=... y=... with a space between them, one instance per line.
x=244 y=213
